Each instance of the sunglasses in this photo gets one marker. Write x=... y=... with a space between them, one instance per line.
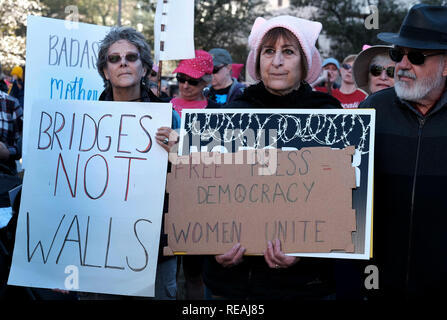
x=415 y=57
x=217 y=69
x=130 y=57
x=346 y=66
x=192 y=82
x=376 y=70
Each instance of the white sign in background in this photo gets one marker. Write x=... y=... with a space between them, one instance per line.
x=177 y=17
x=92 y=197
x=60 y=64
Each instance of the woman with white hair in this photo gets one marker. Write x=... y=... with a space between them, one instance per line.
x=284 y=60
x=373 y=69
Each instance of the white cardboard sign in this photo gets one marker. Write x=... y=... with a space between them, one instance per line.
x=174 y=26
x=92 y=199
x=60 y=64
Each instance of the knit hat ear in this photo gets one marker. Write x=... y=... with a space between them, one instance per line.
x=254 y=33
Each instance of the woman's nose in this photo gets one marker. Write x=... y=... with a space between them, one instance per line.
x=278 y=59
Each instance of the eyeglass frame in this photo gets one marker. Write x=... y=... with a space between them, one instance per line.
x=412 y=53
x=346 y=66
x=382 y=68
x=191 y=81
x=125 y=56
x=217 y=69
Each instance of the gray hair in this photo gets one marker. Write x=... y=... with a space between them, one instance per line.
x=383 y=58
x=123 y=33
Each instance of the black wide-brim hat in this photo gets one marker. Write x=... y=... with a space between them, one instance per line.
x=424 y=27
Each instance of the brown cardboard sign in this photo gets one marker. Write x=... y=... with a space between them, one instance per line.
x=301 y=197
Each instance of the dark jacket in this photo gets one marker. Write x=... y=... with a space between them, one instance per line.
x=148 y=96
x=236 y=90
x=410 y=201
x=310 y=278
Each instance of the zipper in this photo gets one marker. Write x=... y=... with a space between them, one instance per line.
x=413 y=192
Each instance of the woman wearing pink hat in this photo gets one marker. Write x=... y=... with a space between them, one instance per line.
x=193 y=75
x=284 y=59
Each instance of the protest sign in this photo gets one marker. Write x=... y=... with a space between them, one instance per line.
x=60 y=64
x=303 y=198
x=92 y=197
x=231 y=130
x=174 y=30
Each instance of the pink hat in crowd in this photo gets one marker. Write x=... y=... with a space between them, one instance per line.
x=196 y=68
x=306 y=32
x=236 y=69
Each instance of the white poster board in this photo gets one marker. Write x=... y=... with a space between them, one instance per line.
x=174 y=26
x=92 y=199
x=60 y=64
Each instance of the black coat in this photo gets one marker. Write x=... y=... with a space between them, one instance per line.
x=310 y=278
x=410 y=197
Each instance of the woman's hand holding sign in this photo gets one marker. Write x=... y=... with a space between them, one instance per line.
x=273 y=255
x=232 y=257
x=275 y=258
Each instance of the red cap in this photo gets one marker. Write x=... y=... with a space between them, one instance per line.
x=195 y=68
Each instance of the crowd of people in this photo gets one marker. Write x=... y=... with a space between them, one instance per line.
x=404 y=81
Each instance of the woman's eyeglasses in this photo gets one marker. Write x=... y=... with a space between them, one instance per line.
x=217 y=69
x=183 y=79
x=376 y=70
x=346 y=66
x=130 y=57
x=415 y=57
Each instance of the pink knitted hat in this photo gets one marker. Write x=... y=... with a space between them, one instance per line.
x=196 y=68
x=305 y=31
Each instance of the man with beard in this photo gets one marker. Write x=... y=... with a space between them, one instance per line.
x=410 y=208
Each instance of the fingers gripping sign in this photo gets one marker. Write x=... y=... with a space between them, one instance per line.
x=275 y=258
x=166 y=138
x=232 y=257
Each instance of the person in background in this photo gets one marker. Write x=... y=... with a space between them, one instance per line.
x=373 y=69
x=123 y=62
x=329 y=77
x=348 y=94
x=224 y=88
x=193 y=75
x=284 y=59
x=18 y=85
x=410 y=161
x=10 y=145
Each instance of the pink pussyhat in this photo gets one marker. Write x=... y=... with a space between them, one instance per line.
x=196 y=68
x=305 y=31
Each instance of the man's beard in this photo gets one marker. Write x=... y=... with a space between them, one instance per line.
x=420 y=88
